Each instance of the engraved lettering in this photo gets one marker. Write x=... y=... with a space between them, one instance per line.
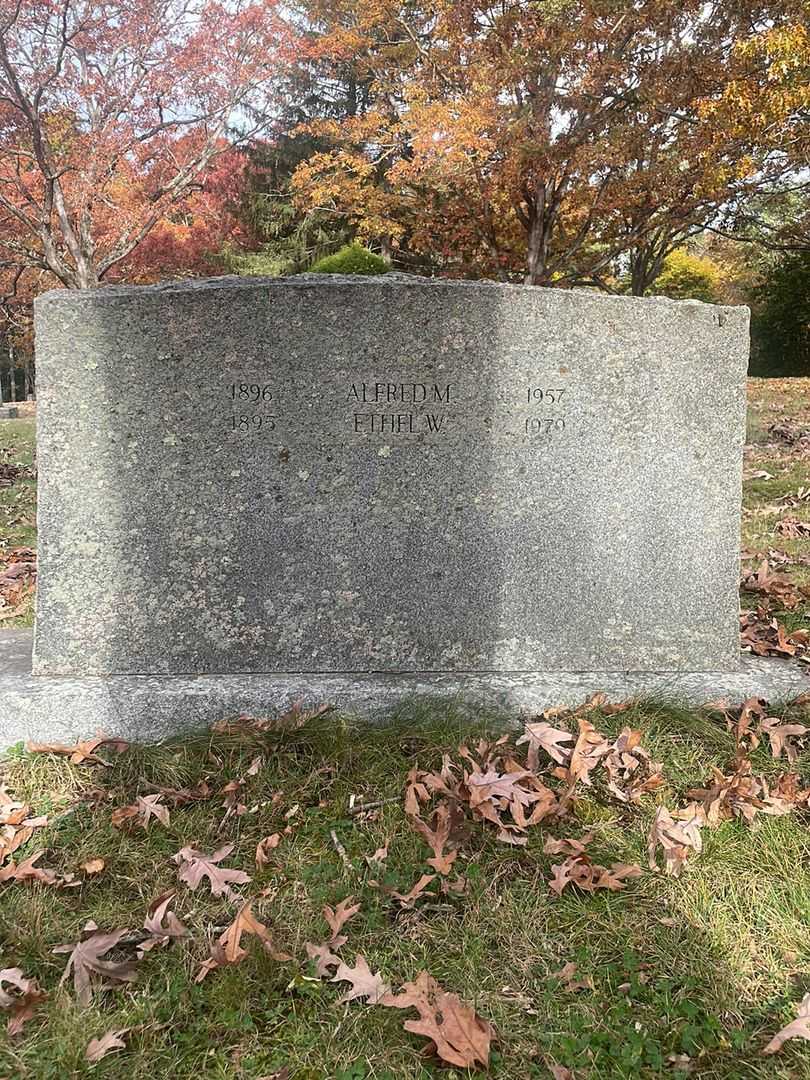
x=403 y=393
x=384 y=423
x=544 y=397
x=537 y=426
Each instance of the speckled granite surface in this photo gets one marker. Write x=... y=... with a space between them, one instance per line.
x=360 y=475
x=154 y=707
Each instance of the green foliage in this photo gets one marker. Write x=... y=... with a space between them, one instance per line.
x=780 y=326
x=285 y=240
x=687 y=276
x=352 y=259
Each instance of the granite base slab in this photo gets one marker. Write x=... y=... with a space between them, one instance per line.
x=148 y=708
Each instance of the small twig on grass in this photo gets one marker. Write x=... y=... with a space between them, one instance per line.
x=341 y=850
x=360 y=808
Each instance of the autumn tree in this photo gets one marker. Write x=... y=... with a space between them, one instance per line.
x=546 y=139
x=113 y=114
x=777 y=106
x=347 y=59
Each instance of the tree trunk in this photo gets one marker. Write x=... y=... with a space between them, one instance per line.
x=28 y=382
x=536 y=247
x=12 y=371
x=646 y=263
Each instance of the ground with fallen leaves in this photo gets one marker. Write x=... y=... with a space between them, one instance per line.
x=775 y=585
x=605 y=893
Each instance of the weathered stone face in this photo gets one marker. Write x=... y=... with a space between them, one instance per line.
x=247 y=475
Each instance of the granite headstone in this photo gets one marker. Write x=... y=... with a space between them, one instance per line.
x=326 y=474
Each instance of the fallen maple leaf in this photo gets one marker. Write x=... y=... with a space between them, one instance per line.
x=336 y=919
x=459 y=1036
x=194 y=866
x=99 y=1048
x=796 y=1029
x=365 y=984
x=85 y=961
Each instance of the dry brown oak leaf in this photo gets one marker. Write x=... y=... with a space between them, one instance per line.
x=781 y=737
x=264 y=847
x=437 y=837
x=459 y=1035
x=85 y=961
x=567 y=977
x=679 y=839
x=195 y=865
x=796 y=1029
x=26 y=871
x=161 y=924
x=228 y=949
x=323 y=956
x=145 y=808
x=21 y=1005
x=82 y=751
x=337 y=917
x=365 y=984
x=544 y=736
x=99 y=1048
x=407 y=900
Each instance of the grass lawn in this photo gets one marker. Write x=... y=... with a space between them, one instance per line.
x=18 y=521
x=686 y=976
x=691 y=976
